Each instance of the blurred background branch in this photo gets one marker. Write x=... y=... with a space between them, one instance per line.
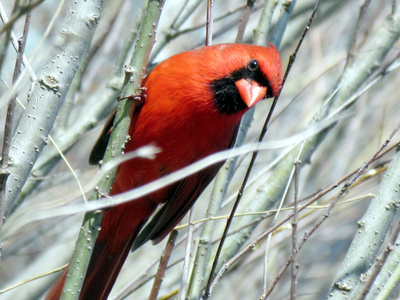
x=348 y=63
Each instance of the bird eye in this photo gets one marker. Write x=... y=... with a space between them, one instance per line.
x=253 y=65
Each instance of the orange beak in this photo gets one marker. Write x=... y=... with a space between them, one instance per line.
x=250 y=91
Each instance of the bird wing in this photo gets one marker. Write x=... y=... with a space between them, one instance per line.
x=176 y=207
x=99 y=149
x=184 y=196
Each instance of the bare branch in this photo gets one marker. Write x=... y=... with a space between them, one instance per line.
x=163 y=265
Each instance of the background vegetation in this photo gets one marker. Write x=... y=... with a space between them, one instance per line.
x=337 y=117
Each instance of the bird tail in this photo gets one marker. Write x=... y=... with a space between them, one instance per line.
x=55 y=291
x=119 y=228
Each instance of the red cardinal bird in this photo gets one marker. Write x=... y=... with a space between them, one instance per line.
x=193 y=106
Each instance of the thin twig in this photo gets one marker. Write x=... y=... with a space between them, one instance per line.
x=71 y=169
x=10 y=116
x=253 y=158
x=244 y=20
x=7 y=37
x=10 y=109
x=32 y=279
x=141 y=281
x=143 y=278
x=351 y=180
x=295 y=267
x=175 y=31
x=163 y=265
x=14 y=17
x=219 y=191
x=276 y=215
x=21 y=47
x=307 y=235
x=186 y=261
x=380 y=153
x=185 y=11
x=209 y=25
x=207 y=292
x=277 y=278
x=361 y=16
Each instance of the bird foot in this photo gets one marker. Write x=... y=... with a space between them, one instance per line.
x=139 y=97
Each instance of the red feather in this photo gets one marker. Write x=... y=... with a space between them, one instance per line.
x=189 y=112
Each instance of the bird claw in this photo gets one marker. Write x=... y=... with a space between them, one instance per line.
x=139 y=97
